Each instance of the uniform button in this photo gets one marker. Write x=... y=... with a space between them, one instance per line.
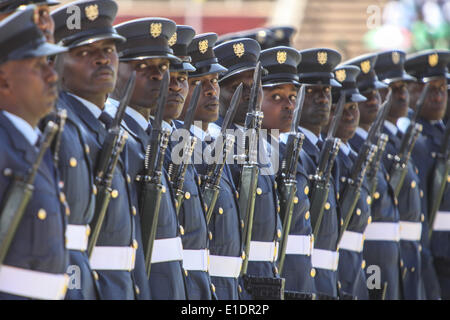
x=95 y=274
x=135 y=244
x=342 y=222
x=175 y=202
x=136 y=289
x=210 y=235
x=413 y=184
x=114 y=194
x=66 y=241
x=258 y=190
x=417 y=171
x=163 y=189
x=199 y=181
x=7 y=172
x=186 y=272
x=422 y=217
x=369 y=220
x=187 y=195
x=279 y=233
x=413 y=269
x=275 y=185
x=220 y=211
x=396 y=201
x=278 y=209
x=376 y=195
x=327 y=206
x=239 y=288
x=275 y=270
x=306 y=190
x=88 y=230
x=338 y=196
x=363 y=264
x=62 y=197
x=42 y=214
x=401 y=263
x=133 y=210
x=295 y=199
x=181 y=230
x=339 y=284
x=67 y=211
x=237 y=195
x=421 y=192
x=73 y=162
x=128 y=178
x=94 y=189
x=213 y=288
x=243 y=255
x=313 y=272
x=242 y=224
x=388 y=177
x=369 y=200
x=448 y=178
x=87 y=149
x=358 y=211
x=307 y=215
x=206 y=207
x=420 y=248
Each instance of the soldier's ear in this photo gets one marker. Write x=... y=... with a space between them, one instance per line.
x=4 y=83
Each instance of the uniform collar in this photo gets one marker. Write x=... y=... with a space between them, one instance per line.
x=345 y=148
x=139 y=118
x=95 y=110
x=391 y=127
x=310 y=136
x=199 y=133
x=31 y=134
x=362 y=133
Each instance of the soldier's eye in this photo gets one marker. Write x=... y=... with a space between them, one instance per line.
x=309 y=90
x=109 y=50
x=84 y=53
x=276 y=97
x=327 y=89
x=182 y=78
x=164 y=67
x=142 y=66
x=293 y=98
x=214 y=80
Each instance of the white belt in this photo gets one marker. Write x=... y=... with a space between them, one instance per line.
x=325 y=259
x=223 y=266
x=165 y=250
x=352 y=241
x=442 y=221
x=263 y=251
x=195 y=259
x=33 y=284
x=299 y=245
x=77 y=237
x=113 y=258
x=383 y=231
x=410 y=230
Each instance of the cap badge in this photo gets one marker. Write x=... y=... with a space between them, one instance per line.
x=279 y=34
x=322 y=57
x=91 y=12
x=365 y=66
x=261 y=36
x=173 y=39
x=340 y=75
x=155 y=29
x=395 y=57
x=239 y=49
x=203 y=46
x=281 y=57
x=433 y=59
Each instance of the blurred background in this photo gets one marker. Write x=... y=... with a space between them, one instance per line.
x=352 y=27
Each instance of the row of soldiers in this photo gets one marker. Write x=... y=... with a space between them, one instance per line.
x=328 y=180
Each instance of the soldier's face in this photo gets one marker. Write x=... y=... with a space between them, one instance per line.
x=178 y=91
x=316 y=108
x=414 y=89
x=278 y=107
x=208 y=102
x=436 y=100
x=29 y=88
x=90 y=70
x=368 y=109
x=349 y=121
x=149 y=73
x=229 y=86
x=400 y=99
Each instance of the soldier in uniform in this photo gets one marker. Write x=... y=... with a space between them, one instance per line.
x=351 y=267
x=149 y=54
x=225 y=244
x=88 y=74
x=280 y=88
x=37 y=259
x=315 y=69
x=430 y=67
x=42 y=14
x=381 y=247
x=240 y=57
x=389 y=68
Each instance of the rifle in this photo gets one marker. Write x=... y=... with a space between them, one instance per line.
x=288 y=183
x=440 y=173
x=321 y=179
x=20 y=193
x=61 y=121
x=152 y=190
x=106 y=165
x=211 y=181
x=380 y=139
x=400 y=166
x=250 y=169
x=177 y=171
